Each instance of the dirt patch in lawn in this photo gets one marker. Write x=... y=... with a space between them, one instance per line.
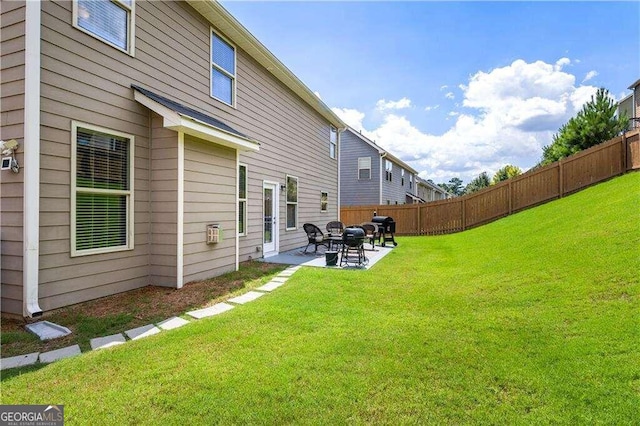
x=124 y=311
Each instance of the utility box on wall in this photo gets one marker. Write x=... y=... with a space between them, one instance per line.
x=214 y=234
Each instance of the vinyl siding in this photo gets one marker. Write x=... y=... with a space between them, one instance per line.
x=12 y=24
x=164 y=204
x=354 y=191
x=209 y=197
x=394 y=191
x=86 y=80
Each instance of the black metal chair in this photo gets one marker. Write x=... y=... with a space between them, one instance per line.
x=335 y=227
x=371 y=233
x=315 y=236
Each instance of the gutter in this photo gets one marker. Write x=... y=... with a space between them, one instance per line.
x=31 y=185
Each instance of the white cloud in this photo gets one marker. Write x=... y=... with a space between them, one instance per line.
x=352 y=117
x=318 y=95
x=431 y=107
x=589 y=76
x=444 y=86
x=450 y=95
x=383 y=104
x=510 y=114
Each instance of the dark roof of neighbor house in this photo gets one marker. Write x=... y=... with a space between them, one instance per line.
x=189 y=112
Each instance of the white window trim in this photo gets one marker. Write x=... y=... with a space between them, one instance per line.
x=364 y=168
x=246 y=193
x=326 y=210
x=287 y=202
x=388 y=173
x=131 y=28
x=234 y=77
x=333 y=144
x=402 y=177
x=128 y=193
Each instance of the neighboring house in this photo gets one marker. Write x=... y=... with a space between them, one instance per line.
x=370 y=175
x=630 y=105
x=139 y=124
x=428 y=191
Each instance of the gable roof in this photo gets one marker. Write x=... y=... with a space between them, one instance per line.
x=192 y=122
x=381 y=151
x=220 y=18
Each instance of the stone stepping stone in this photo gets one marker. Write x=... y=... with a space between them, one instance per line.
x=280 y=279
x=270 y=286
x=173 y=322
x=247 y=297
x=293 y=268
x=107 y=341
x=19 y=361
x=141 y=332
x=286 y=273
x=58 y=354
x=46 y=330
x=211 y=310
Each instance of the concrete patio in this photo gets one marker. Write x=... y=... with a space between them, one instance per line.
x=317 y=259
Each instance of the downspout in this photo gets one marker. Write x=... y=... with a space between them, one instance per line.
x=382 y=156
x=31 y=147
x=339 y=132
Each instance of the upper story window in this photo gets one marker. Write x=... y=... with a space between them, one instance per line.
x=364 y=168
x=402 y=177
x=111 y=21
x=410 y=181
x=333 y=142
x=388 y=168
x=101 y=190
x=223 y=70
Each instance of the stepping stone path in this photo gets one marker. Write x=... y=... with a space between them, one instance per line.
x=67 y=352
x=211 y=311
x=141 y=332
x=173 y=322
x=19 y=361
x=107 y=341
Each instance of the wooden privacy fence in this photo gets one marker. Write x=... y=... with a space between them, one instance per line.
x=555 y=180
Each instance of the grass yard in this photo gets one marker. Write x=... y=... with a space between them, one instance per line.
x=533 y=319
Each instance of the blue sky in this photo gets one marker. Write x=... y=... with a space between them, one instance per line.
x=453 y=88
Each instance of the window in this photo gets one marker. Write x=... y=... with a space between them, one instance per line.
x=102 y=199
x=324 y=201
x=410 y=181
x=242 y=200
x=402 y=177
x=292 y=202
x=333 y=142
x=223 y=70
x=112 y=21
x=364 y=168
x=388 y=167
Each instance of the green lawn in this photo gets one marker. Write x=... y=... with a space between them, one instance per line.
x=534 y=319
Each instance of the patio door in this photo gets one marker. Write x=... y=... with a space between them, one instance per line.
x=269 y=219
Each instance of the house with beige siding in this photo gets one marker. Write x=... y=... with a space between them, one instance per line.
x=630 y=106
x=428 y=191
x=158 y=143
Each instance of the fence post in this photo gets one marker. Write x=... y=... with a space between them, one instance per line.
x=625 y=147
x=560 y=179
x=510 y=193
x=419 y=223
x=464 y=213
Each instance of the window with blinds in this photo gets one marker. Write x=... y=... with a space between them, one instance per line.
x=364 y=168
x=109 y=20
x=242 y=200
x=101 y=201
x=223 y=69
x=292 y=202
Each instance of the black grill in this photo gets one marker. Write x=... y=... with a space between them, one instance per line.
x=353 y=247
x=353 y=237
x=386 y=225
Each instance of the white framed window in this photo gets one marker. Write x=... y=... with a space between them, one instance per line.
x=112 y=21
x=223 y=69
x=333 y=142
x=242 y=200
x=364 y=168
x=324 y=201
x=402 y=177
x=410 y=181
x=101 y=190
x=388 y=168
x=292 y=202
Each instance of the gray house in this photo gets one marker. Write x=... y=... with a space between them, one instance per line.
x=630 y=105
x=370 y=175
x=154 y=143
x=427 y=191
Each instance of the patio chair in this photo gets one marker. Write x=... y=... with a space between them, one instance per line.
x=315 y=236
x=371 y=233
x=335 y=227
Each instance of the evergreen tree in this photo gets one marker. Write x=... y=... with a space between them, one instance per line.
x=507 y=172
x=478 y=183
